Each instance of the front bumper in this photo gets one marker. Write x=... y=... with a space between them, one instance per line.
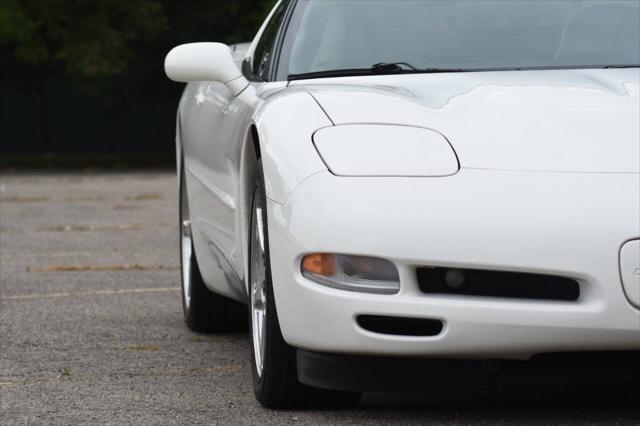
x=441 y=376
x=566 y=224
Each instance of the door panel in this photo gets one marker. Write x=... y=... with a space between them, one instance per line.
x=214 y=124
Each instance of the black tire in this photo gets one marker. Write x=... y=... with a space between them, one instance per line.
x=206 y=311
x=278 y=386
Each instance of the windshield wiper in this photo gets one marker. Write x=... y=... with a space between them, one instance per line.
x=375 y=69
x=397 y=68
x=390 y=67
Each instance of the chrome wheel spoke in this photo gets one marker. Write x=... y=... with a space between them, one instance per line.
x=258 y=289
x=186 y=245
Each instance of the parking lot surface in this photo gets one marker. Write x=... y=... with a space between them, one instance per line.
x=91 y=327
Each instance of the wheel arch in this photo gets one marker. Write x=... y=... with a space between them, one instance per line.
x=286 y=150
x=178 y=142
x=250 y=154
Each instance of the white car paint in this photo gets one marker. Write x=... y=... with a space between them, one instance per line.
x=567 y=224
x=548 y=182
x=185 y=63
x=630 y=270
x=582 y=120
x=363 y=150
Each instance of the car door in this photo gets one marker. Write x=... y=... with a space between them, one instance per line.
x=214 y=128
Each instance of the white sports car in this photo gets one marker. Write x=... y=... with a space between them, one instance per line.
x=382 y=181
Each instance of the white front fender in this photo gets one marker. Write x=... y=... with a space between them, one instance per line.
x=285 y=124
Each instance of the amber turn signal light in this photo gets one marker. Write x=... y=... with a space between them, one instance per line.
x=320 y=264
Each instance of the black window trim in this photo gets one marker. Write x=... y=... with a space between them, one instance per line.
x=274 y=61
x=247 y=63
x=281 y=71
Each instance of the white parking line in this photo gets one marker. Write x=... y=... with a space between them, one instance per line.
x=89 y=293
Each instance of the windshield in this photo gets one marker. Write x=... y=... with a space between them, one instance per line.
x=461 y=34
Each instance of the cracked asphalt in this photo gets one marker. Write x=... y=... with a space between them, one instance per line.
x=91 y=327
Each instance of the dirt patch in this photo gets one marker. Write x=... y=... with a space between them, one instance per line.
x=144 y=197
x=100 y=268
x=125 y=207
x=41 y=199
x=65 y=372
x=105 y=292
x=84 y=228
x=218 y=369
x=18 y=199
x=83 y=199
x=145 y=348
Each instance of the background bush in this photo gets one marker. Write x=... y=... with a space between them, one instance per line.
x=85 y=77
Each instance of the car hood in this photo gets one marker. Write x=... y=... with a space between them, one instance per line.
x=549 y=120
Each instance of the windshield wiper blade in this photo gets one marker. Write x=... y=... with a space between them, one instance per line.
x=396 y=68
x=347 y=72
x=375 y=69
x=379 y=68
x=391 y=67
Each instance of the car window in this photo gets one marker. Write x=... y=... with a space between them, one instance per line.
x=262 y=56
x=463 y=34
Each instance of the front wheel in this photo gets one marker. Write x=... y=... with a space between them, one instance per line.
x=273 y=361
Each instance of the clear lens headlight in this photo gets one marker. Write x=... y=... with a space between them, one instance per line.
x=353 y=273
x=385 y=150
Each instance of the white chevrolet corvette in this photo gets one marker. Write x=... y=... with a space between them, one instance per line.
x=387 y=181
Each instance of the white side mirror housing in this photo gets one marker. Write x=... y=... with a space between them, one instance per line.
x=204 y=62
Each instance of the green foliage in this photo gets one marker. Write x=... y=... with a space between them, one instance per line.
x=113 y=48
x=89 y=40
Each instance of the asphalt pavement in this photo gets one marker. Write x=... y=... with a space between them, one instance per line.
x=91 y=328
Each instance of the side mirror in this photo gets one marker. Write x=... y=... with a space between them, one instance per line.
x=204 y=62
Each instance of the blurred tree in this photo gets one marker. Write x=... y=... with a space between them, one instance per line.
x=227 y=21
x=111 y=50
x=92 y=41
x=89 y=40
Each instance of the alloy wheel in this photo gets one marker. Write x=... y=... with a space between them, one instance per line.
x=186 y=244
x=258 y=290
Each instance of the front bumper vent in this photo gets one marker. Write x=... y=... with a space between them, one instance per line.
x=487 y=283
x=400 y=326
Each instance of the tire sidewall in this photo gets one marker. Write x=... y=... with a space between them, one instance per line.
x=272 y=328
x=182 y=197
x=187 y=311
x=256 y=198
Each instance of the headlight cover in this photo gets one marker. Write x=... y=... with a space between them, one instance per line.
x=352 y=273
x=385 y=150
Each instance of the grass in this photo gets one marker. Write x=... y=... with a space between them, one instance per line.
x=65 y=372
